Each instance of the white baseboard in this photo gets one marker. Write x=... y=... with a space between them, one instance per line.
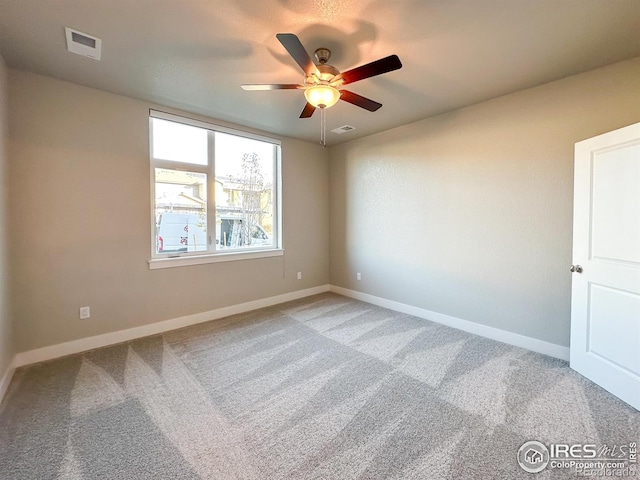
x=540 y=346
x=106 y=339
x=6 y=378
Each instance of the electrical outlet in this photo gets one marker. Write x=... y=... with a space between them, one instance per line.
x=358 y=276
x=85 y=312
x=299 y=275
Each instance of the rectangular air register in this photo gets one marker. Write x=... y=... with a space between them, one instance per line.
x=83 y=44
x=343 y=129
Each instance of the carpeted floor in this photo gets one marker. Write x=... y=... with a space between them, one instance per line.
x=321 y=388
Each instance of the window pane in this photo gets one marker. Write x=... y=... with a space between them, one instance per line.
x=244 y=192
x=181 y=211
x=179 y=143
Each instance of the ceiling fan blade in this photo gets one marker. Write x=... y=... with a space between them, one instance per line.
x=307 y=111
x=359 y=100
x=298 y=53
x=384 y=65
x=277 y=86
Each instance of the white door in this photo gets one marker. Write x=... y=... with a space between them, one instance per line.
x=605 y=308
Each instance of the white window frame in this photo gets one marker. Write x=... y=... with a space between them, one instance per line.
x=212 y=255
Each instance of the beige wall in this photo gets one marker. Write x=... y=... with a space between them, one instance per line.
x=80 y=220
x=6 y=340
x=470 y=213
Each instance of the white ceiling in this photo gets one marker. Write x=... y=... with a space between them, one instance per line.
x=194 y=54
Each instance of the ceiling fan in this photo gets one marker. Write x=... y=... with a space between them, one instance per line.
x=323 y=82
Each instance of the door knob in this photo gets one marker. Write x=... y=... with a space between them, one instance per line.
x=576 y=269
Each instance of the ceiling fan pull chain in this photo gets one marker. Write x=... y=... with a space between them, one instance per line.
x=323 y=131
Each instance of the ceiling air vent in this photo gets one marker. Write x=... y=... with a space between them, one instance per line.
x=83 y=44
x=343 y=129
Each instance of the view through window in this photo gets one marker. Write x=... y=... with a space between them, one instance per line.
x=215 y=191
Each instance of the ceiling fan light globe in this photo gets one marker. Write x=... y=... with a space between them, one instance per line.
x=322 y=96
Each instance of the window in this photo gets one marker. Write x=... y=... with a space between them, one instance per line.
x=215 y=192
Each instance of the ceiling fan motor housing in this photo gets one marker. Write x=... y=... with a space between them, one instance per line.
x=327 y=72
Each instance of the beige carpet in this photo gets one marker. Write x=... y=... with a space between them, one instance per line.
x=321 y=388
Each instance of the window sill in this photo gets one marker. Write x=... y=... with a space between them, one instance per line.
x=156 y=263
